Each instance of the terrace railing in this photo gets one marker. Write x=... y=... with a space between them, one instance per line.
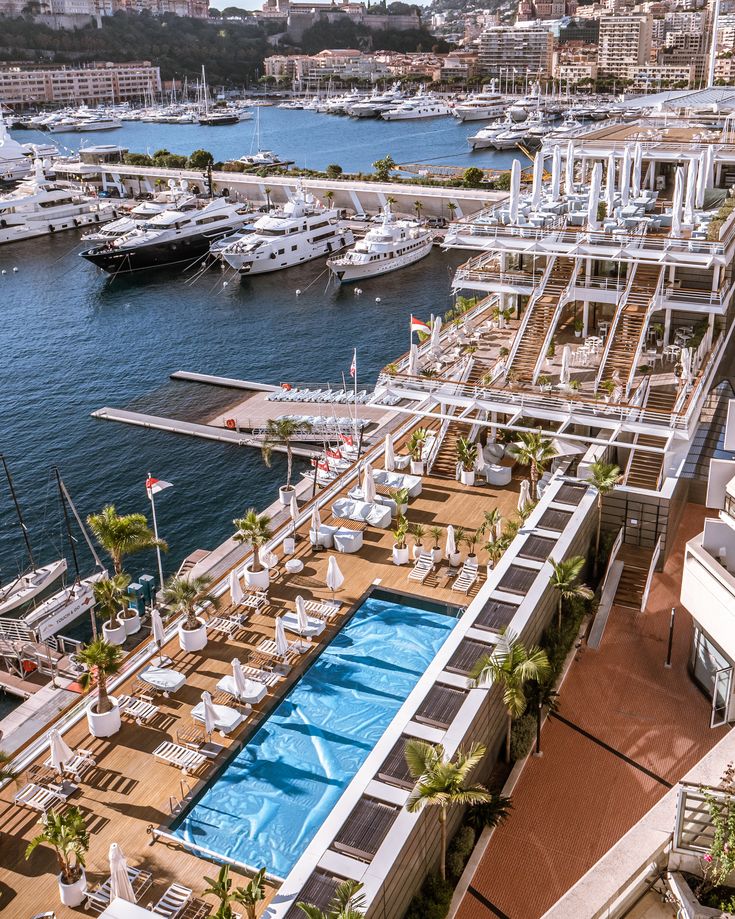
x=565 y=297
x=613 y=328
x=551 y=261
x=653 y=306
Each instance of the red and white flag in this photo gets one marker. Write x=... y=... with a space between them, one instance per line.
x=346 y=440
x=334 y=454
x=353 y=365
x=418 y=326
x=153 y=486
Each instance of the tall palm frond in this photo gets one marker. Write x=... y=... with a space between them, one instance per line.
x=534 y=450
x=603 y=477
x=121 y=535
x=565 y=581
x=185 y=594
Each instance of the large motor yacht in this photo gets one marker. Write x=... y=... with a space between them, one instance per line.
x=172 y=237
x=39 y=207
x=481 y=107
x=377 y=103
x=177 y=197
x=485 y=137
x=422 y=105
x=390 y=245
x=300 y=231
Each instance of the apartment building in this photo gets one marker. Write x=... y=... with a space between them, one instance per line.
x=93 y=84
x=625 y=43
x=505 y=49
x=48 y=9
x=306 y=71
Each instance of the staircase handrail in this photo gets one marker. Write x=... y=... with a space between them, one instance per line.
x=444 y=426
x=529 y=312
x=651 y=572
x=564 y=298
x=613 y=328
x=653 y=306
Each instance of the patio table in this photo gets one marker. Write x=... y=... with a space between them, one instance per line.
x=164 y=679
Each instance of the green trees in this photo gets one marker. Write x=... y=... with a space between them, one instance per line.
x=384 y=167
x=248 y=896
x=347 y=904
x=253 y=529
x=280 y=433
x=121 y=535
x=473 y=177
x=334 y=171
x=102 y=660
x=67 y=835
x=535 y=451
x=442 y=782
x=565 y=581
x=200 y=159
x=184 y=595
x=511 y=665
x=111 y=595
x=603 y=477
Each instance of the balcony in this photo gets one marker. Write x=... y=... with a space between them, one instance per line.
x=708 y=583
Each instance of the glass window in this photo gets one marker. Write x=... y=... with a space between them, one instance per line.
x=707 y=659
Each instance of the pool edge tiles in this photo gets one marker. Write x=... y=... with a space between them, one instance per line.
x=267 y=802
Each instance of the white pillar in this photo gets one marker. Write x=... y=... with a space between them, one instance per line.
x=667 y=327
x=585 y=318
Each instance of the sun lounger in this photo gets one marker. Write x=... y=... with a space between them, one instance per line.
x=315 y=627
x=255 y=690
x=173 y=901
x=227 y=627
x=37 y=798
x=227 y=719
x=423 y=567
x=81 y=762
x=98 y=899
x=261 y=676
x=176 y=755
x=138 y=710
x=466 y=577
x=322 y=610
x=266 y=653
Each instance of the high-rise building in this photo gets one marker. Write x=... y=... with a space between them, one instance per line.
x=625 y=43
x=504 y=49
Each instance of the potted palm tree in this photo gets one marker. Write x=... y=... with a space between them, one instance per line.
x=102 y=660
x=400 y=496
x=67 y=835
x=185 y=595
x=578 y=326
x=436 y=549
x=400 y=549
x=415 y=447
x=471 y=538
x=254 y=529
x=535 y=451
x=123 y=534
x=281 y=433
x=466 y=456
x=110 y=597
x=565 y=581
x=418 y=531
x=459 y=537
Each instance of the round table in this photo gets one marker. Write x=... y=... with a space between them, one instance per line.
x=294 y=565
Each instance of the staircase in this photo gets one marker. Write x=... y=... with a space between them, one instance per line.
x=636 y=562
x=644 y=469
x=543 y=307
x=445 y=464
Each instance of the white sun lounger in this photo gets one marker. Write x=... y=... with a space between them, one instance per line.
x=181 y=757
x=173 y=901
x=139 y=710
x=466 y=577
x=227 y=627
x=256 y=690
x=37 y=798
x=82 y=761
x=325 y=610
x=99 y=898
x=423 y=567
x=267 y=649
x=290 y=621
x=227 y=719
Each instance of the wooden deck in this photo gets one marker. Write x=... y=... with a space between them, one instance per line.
x=129 y=792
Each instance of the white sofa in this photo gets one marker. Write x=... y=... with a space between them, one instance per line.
x=348 y=541
x=399 y=480
x=497 y=474
x=376 y=515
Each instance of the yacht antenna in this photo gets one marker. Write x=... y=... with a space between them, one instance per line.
x=67 y=524
x=74 y=511
x=18 y=511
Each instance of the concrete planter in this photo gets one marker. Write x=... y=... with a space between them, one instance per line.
x=690 y=907
x=256 y=579
x=73 y=895
x=115 y=634
x=455 y=559
x=103 y=725
x=437 y=554
x=400 y=556
x=131 y=622
x=284 y=494
x=467 y=476
x=193 y=639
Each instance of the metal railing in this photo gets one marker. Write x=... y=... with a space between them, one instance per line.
x=529 y=312
x=617 y=318
x=653 y=306
x=564 y=298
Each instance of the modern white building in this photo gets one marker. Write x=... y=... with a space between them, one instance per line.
x=504 y=49
x=625 y=43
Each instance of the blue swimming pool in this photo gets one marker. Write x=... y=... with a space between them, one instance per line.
x=267 y=803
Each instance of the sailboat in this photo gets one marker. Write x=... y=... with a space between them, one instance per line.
x=29 y=585
x=214 y=119
x=260 y=157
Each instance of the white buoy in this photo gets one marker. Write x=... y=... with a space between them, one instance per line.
x=4 y=271
x=298 y=291
x=225 y=283
x=14 y=270
x=377 y=299
x=358 y=291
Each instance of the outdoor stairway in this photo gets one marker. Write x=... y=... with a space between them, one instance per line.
x=644 y=470
x=523 y=364
x=445 y=464
x=631 y=326
x=636 y=562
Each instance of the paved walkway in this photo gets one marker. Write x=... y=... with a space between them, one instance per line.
x=627 y=729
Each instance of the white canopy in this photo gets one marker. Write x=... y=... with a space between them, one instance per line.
x=335 y=578
x=61 y=752
x=281 y=643
x=120 y=885
x=236 y=591
x=301 y=617
x=594 y=198
x=389 y=456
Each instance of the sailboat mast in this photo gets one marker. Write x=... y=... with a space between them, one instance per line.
x=74 y=511
x=67 y=523
x=18 y=511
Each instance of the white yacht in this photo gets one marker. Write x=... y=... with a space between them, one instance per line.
x=300 y=231
x=485 y=137
x=172 y=237
x=390 y=245
x=422 y=105
x=261 y=158
x=16 y=159
x=39 y=207
x=377 y=103
x=481 y=107
x=98 y=123
x=28 y=586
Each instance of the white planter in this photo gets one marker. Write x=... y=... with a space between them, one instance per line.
x=257 y=579
x=131 y=623
x=467 y=477
x=73 y=894
x=193 y=639
x=417 y=467
x=289 y=545
x=114 y=634
x=577 y=334
x=400 y=556
x=417 y=550
x=437 y=554
x=455 y=559
x=103 y=725
x=284 y=494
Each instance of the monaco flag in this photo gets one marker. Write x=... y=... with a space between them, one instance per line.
x=153 y=486
x=418 y=326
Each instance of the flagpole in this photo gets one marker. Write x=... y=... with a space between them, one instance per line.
x=354 y=361
x=155 y=532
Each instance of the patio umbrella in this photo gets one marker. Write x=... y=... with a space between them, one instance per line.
x=61 y=752
x=625 y=177
x=686 y=365
x=480 y=461
x=368 y=484
x=569 y=172
x=238 y=678
x=451 y=545
x=302 y=621
x=637 y=163
x=566 y=356
x=610 y=185
x=335 y=578
x=524 y=496
x=436 y=329
x=691 y=191
x=538 y=169
x=316 y=520
x=120 y=885
x=293 y=509
x=676 y=204
x=701 y=178
x=413 y=361
x=236 y=591
x=515 y=191
x=389 y=456
x=555 y=173
x=267 y=558
x=281 y=643
x=594 y=198
x=159 y=636
x=210 y=715
x=709 y=172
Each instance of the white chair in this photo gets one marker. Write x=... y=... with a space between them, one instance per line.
x=466 y=577
x=423 y=567
x=348 y=541
x=326 y=609
x=498 y=475
x=181 y=757
x=139 y=710
x=82 y=761
x=173 y=901
x=37 y=798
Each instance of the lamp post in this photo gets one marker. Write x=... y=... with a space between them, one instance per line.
x=671 y=638
x=539 y=712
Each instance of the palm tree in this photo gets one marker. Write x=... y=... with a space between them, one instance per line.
x=267 y=198
x=511 y=666
x=253 y=529
x=329 y=196
x=565 y=581
x=280 y=433
x=495 y=548
x=442 y=782
x=123 y=534
x=67 y=835
x=418 y=207
x=452 y=208
x=252 y=894
x=110 y=595
x=184 y=595
x=536 y=451
x=603 y=478
x=347 y=903
x=102 y=660
x=490 y=814
x=490 y=521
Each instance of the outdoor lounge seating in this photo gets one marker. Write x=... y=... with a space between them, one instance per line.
x=82 y=761
x=37 y=798
x=376 y=515
x=290 y=622
x=497 y=474
x=228 y=719
x=173 y=901
x=323 y=537
x=139 y=710
x=227 y=627
x=256 y=690
x=348 y=540
x=267 y=652
x=323 y=609
x=466 y=577
x=423 y=567
x=176 y=755
x=398 y=480
x=98 y=899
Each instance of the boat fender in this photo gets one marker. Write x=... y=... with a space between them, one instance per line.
x=230 y=423
x=76 y=222
x=51 y=228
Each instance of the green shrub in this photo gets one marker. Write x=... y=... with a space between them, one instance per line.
x=334 y=171
x=522 y=736
x=473 y=177
x=433 y=900
x=558 y=644
x=459 y=850
x=137 y=159
x=491 y=814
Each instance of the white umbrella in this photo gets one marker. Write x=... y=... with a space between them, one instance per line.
x=316 y=520
x=610 y=185
x=538 y=171
x=625 y=177
x=480 y=460
x=335 y=578
x=524 y=496
x=61 y=752
x=236 y=591
x=293 y=509
x=686 y=365
x=368 y=484
x=701 y=178
x=676 y=204
x=637 y=164
x=709 y=172
x=436 y=329
x=451 y=546
x=515 y=191
x=159 y=635
x=210 y=715
x=569 y=174
x=413 y=361
x=691 y=192
x=594 y=198
x=281 y=643
x=238 y=678
x=389 y=457
x=120 y=885
x=302 y=621
x=267 y=558
x=566 y=356
x=555 y=173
